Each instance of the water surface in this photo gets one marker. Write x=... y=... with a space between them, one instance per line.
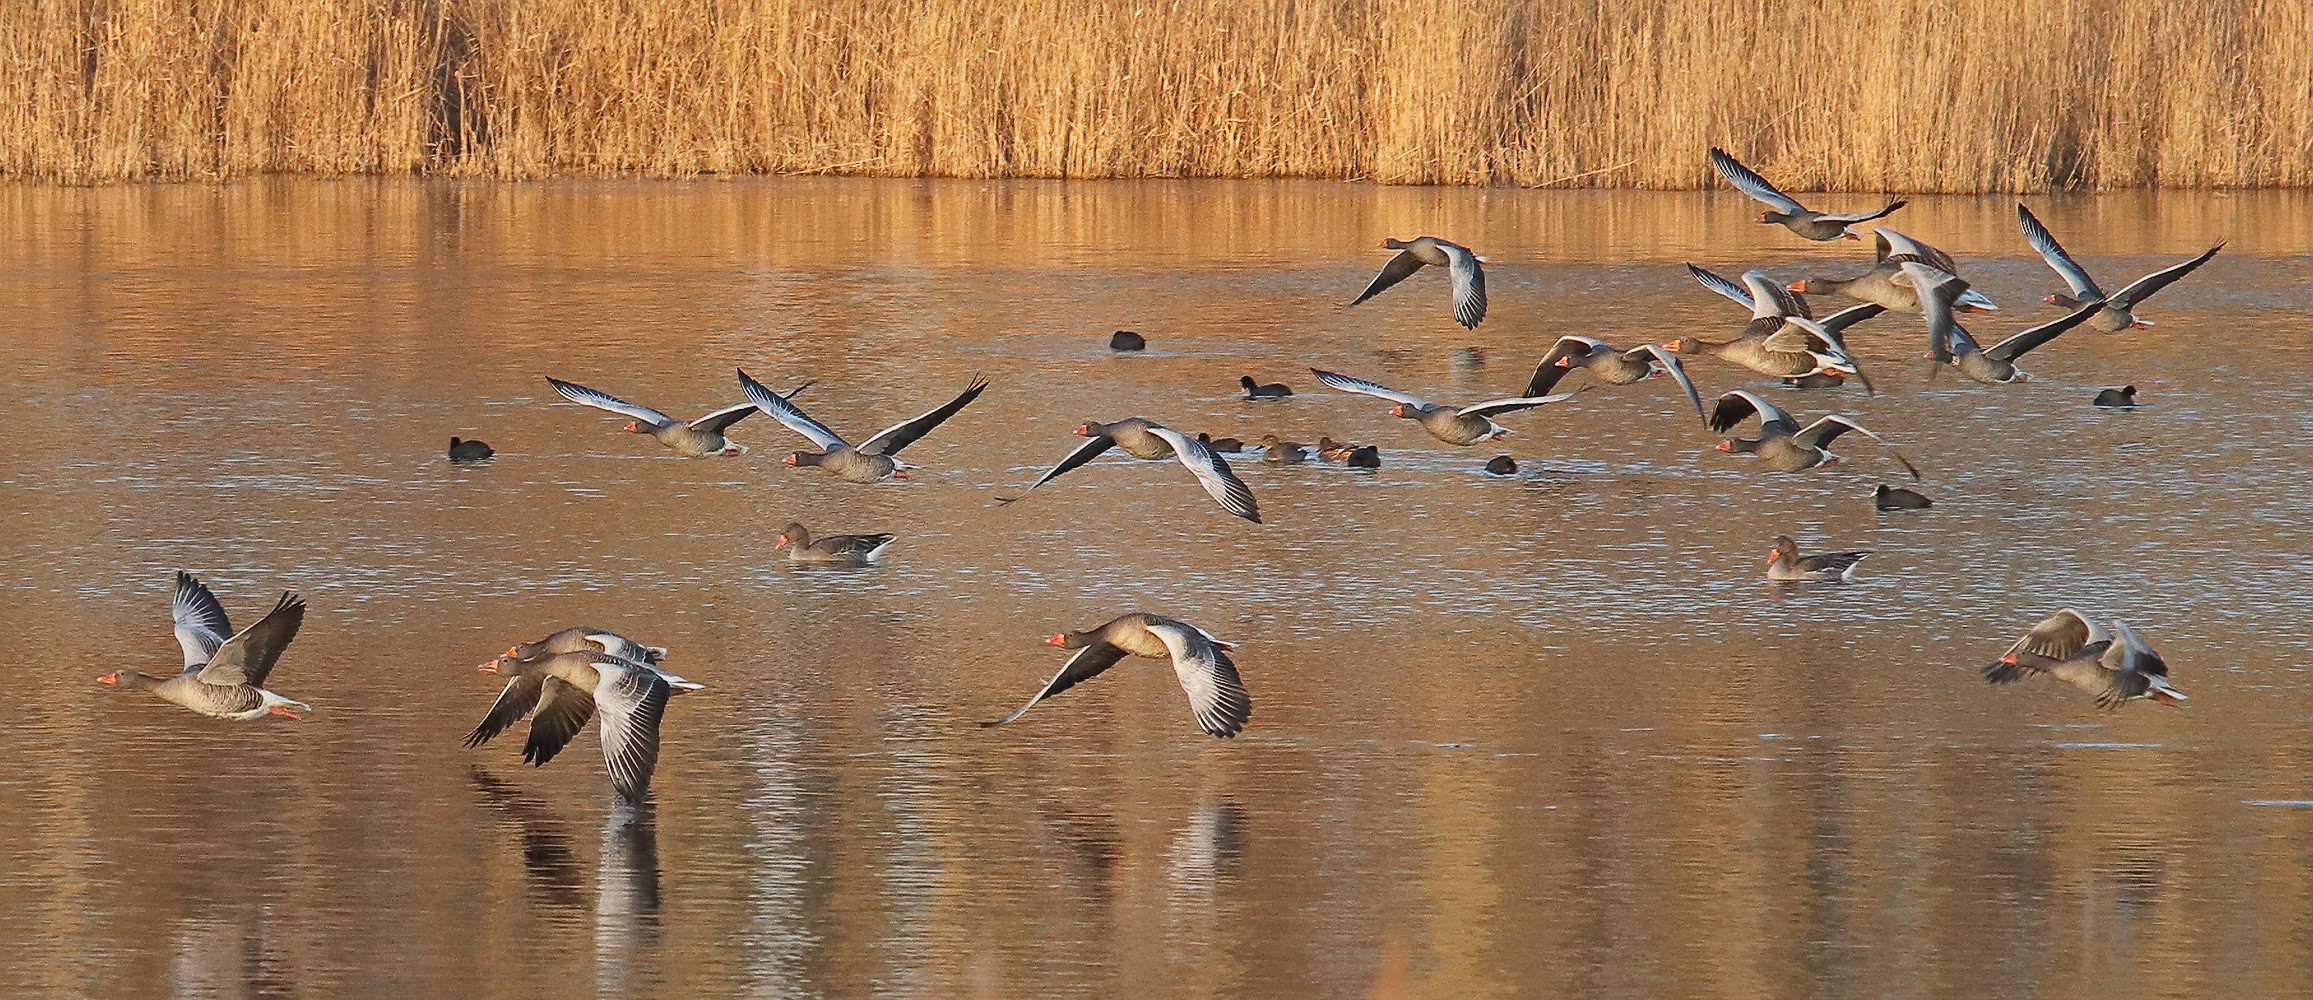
x=1548 y=735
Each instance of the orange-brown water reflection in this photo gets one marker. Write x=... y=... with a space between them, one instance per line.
x=1537 y=736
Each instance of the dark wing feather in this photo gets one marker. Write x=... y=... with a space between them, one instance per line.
x=1085 y=665
x=563 y=710
x=1738 y=406
x=2075 y=277
x=1838 y=322
x=1085 y=452
x=718 y=421
x=1853 y=218
x=1216 y=694
x=853 y=545
x=2023 y=343
x=249 y=656
x=1398 y=269
x=517 y=700
x=2142 y=288
x=1752 y=184
x=1670 y=363
x=891 y=439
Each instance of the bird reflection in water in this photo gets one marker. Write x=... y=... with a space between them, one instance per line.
x=1210 y=848
x=626 y=902
x=551 y=874
x=227 y=957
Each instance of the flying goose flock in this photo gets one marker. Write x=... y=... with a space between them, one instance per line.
x=583 y=674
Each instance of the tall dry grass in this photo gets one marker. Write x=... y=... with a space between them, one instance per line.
x=1920 y=95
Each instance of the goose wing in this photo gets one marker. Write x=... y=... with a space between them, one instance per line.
x=1752 y=184
x=1399 y=268
x=1085 y=665
x=1469 y=285
x=201 y=625
x=1548 y=371
x=601 y=400
x=250 y=654
x=1669 y=361
x=518 y=699
x=2022 y=343
x=2142 y=288
x=1207 y=675
x=620 y=646
x=1895 y=248
x=1365 y=388
x=1838 y=322
x=2075 y=277
x=1937 y=290
x=715 y=422
x=1511 y=404
x=890 y=440
x=1721 y=284
x=1738 y=406
x=1086 y=452
x=1822 y=432
x=1212 y=473
x=563 y=711
x=1771 y=299
x=1851 y=218
x=788 y=413
x=632 y=701
x=2059 y=636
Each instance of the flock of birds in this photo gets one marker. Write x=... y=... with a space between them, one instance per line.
x=581 y=673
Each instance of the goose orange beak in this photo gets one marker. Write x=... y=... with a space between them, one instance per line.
x=1565 y=362
x=1084 y=430
x=1056 y=640
x=630 y=425
x=111 y=678
x=1398 y=410
x=1796 y=287
x=1726 y=446
x=789 y=460
x=2051 y=300
x=488 y=668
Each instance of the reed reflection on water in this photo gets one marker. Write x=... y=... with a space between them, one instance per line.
x=1546 y=734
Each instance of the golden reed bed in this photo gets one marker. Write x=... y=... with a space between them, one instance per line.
x=1912 y=95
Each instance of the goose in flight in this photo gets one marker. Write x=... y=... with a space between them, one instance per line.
x=1785 y=210
x=701 y=438
x=1150 y=441
x=562 y=691
x=1949 y=342
x=2119 y=312
x=224 y=672
x=1885 y=283
x=1780 y=340
x=1467 y=425
x=872 y=460
x=1201 y=662
x=2113 y=664
x=1413 y=255
x=1782 y=443
x=1612 y=366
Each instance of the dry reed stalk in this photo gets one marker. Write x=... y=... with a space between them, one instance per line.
x=1915 y=95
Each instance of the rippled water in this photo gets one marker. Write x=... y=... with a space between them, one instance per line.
x=1541 y=736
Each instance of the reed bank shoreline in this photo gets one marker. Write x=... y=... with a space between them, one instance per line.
x=1851 y=95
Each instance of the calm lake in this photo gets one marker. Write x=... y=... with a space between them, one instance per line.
x=1544 y=735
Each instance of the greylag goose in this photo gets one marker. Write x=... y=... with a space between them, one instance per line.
x=469 y=451
x=2114 y=665
x=1949 y=342
x=1782 y=443
x=1148 y=440
x=1897 y=498
x=224 y=673
x=1885 y=283
x=1786 y=565
x=2123 y=396
x=581 y=637
x=1792 y=304
x=872 y=461
x=1612 y=366
x=1126 y=340
x=1201 y=662
x=1780 y=340
x=1256 y=390
x=833 y=550
x=1786 y=210
x=1413 y=255
x=1467 y=425
x=1277 y=452
x=701 y=438
x=2119 y=312
x=1211 y=443
x=567 y=689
